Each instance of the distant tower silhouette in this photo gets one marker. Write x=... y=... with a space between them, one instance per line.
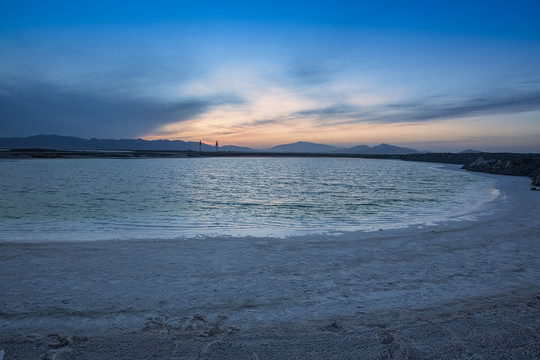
x=200 y=145
x=217 y=145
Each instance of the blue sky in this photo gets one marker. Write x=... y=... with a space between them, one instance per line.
x=434 y=75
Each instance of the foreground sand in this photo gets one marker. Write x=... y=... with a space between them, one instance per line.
x=463 y=290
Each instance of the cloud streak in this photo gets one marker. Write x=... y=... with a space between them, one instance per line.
x=424 y=111
x=42 y=107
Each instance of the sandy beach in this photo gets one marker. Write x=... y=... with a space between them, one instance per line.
x=460 y=290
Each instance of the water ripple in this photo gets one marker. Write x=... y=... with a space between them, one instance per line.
x=43 y=200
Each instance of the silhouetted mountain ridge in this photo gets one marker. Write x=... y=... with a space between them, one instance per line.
x=471 y=151
x=308 y=147
x=58 y=142
x=303 y=147
x=381 y=149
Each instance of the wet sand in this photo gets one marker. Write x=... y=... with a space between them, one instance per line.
x=461 y=290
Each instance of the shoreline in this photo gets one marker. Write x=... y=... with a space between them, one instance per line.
x=456 y=290
x=465 y=203
x=475 y=203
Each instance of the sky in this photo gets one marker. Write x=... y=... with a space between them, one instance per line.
x=432 y=75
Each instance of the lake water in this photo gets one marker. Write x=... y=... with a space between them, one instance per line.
x=100 y=199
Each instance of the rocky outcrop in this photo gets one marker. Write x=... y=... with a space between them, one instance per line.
x=536 y=177
x=509 y=164
x=492 y=163
x=446 y=158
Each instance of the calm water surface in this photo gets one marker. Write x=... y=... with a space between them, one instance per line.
x=99 y=199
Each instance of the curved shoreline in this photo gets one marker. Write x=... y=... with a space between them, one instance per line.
x=465 y=203
x=456 y=290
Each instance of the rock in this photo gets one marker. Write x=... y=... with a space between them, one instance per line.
x=508 y=164
x=536 y=177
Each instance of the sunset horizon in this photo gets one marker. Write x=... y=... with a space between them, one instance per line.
x=426 y=146
x=439 y=77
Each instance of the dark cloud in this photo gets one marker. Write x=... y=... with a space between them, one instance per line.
x=428 y=110
x=33 y=107
x=334 y=110
x=228 y=132
x=481 y=105
x=260 y=122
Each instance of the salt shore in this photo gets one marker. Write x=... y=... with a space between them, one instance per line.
x=460 y=290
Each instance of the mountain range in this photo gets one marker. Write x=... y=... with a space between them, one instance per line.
x=307 y=147
x=58 y=142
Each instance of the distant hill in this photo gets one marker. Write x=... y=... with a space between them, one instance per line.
x=235 y=148
x=308 y=147
x=303 y=147
x=471 y=151
x=382 y=149
x=74 y=143
x=57 y=142
x=359 y=149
